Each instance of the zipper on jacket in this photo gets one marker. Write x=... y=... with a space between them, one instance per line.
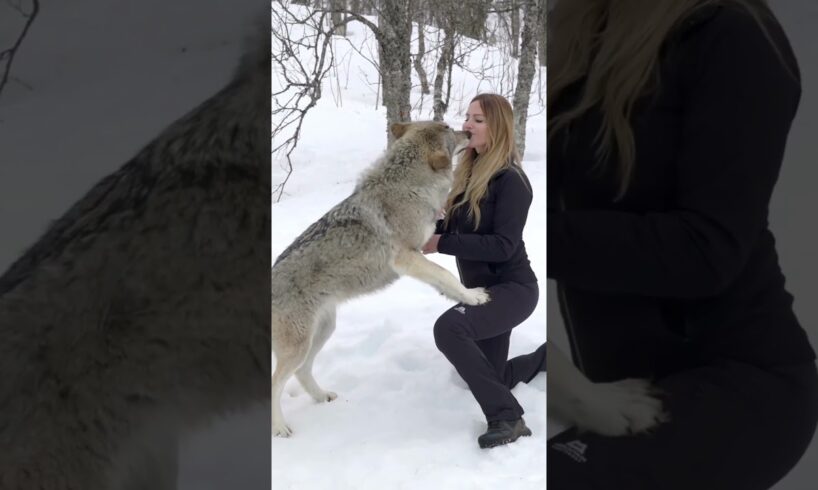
x=562 y=298
x=457 y=263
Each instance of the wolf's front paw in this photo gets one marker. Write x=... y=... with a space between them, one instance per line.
x=326 y=396
x=476 y=296
x=620 y=408
x=281 y=430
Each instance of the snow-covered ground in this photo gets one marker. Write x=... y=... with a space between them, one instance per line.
x=401 y=420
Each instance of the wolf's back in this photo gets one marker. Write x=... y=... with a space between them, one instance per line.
x=346 y=214
x=214 y=140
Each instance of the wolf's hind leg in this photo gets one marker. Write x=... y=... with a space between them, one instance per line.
x=288 y=358
x=323 y=330
x=413 y=264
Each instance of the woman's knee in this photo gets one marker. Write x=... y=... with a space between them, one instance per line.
x=447 y=329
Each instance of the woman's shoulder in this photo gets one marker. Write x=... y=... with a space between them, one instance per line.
x=739 y=21
x=741 y=33
x=716 y=15
x=512 y=176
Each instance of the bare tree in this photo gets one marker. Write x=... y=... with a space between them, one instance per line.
x=542 y=35
x=395 y=25
x=514 y=15
x=473 y=15
x=476 y=23
x=393 y=33
x=421 y=71
x=444 y=67
x=9 y=54
x=338 y=8
x=456 y=18
x=527 y=69
x=302 y=56
x=395 y=61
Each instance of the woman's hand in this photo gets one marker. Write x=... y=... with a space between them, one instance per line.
x=431 y=245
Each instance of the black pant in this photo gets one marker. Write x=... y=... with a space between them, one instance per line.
x=475 y=340
x=733 y=426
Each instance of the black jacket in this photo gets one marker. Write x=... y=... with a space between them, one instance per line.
x=495 y=252
x=683 y=269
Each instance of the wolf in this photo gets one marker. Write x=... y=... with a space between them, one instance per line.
x=362 y=245
x=618 y=408
x=141 y=313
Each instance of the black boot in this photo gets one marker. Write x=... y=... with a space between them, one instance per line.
x=502 y=432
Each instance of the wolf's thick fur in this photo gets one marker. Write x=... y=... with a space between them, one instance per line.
x=362 y=245
x=618 y=408
x=140 y=313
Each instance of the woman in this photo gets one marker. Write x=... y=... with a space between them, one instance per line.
x=667 y=125
x=483 y=228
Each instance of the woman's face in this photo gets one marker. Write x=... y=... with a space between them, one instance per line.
x=476 y=125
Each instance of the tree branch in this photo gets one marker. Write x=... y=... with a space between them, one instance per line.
x=303 y=83
x=9 y=54
x=360 y=18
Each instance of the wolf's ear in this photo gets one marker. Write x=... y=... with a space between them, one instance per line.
x=439 y=160
x=398 y=129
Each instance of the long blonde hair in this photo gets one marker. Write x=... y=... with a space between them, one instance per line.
x=472 y=174
x=615 y=45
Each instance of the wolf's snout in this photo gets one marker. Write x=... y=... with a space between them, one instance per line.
x=462 y=137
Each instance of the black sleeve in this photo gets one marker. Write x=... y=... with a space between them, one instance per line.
x=738 y=112
x=439 y=228
x=513 y=198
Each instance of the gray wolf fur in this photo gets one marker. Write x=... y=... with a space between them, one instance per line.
x=360 y=246
x=618 y=408
x=141 y=312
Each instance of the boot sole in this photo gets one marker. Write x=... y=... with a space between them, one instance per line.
x=502 y=442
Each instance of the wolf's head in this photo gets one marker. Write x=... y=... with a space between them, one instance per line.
x=437 y=142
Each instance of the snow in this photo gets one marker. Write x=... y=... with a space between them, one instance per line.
x=403 y=419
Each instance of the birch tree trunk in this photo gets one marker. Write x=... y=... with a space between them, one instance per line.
x=527 y=69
